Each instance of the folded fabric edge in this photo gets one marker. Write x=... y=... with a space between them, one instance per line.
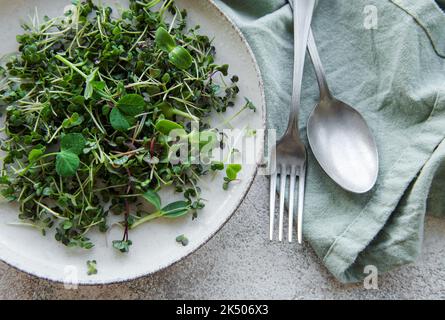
x=344 y=251
x=406 y=248
x=430 y=17
x=356 y=272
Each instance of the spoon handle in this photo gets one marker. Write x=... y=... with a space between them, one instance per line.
x=325 y=93
x=302 y=23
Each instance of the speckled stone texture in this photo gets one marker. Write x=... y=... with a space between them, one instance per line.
x=240 y=263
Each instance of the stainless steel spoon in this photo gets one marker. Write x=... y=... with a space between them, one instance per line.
x=339 y=136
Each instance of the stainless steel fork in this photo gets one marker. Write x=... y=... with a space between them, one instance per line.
x=289 y=156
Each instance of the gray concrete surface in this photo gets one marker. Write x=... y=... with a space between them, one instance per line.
x=240 y=263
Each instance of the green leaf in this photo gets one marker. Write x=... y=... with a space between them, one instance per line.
x=78 y=100
x=67 y=224
x=180 y=58
x=89 y=89
x=154 y=73
x=166 y=109
x=182 y=239
x=217 y=166
x=89 y=86
x=118 y=121
x=92 y=267
x=165 y=126
x=92 y=75
x=224 y=69
x=232 y=171
x=175 y=209
x=98 y=85
x=120 y=161
x=73 y=142
x=166 y=78
x=67 y=164
x=72 y=121
x=131 y=104
x=122 y=246
x=47 y=191
x=34 y=155
x=164 y=40
x=152 y=90
x=153 y=198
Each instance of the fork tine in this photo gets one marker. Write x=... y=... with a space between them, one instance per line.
x=283 y=178
x=302 y=182
x=273 y=192
x=293 y=174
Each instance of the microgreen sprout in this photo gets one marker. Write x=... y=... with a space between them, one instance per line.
x=91 y=267
x=182 y=239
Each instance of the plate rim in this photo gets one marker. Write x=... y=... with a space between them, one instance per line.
x=260 y=152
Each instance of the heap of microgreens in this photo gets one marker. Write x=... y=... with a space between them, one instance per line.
x=90 y=100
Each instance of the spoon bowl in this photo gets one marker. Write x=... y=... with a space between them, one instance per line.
x=343 y=145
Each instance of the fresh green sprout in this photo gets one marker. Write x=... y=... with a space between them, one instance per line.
x=182 y=239
x=89 y=100
x=91 y=267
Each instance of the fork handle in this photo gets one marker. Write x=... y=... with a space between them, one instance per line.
x=303 y=11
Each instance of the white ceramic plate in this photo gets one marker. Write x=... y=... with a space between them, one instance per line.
x=154 y=246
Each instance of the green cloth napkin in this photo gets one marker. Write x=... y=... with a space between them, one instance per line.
x=394 y=74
